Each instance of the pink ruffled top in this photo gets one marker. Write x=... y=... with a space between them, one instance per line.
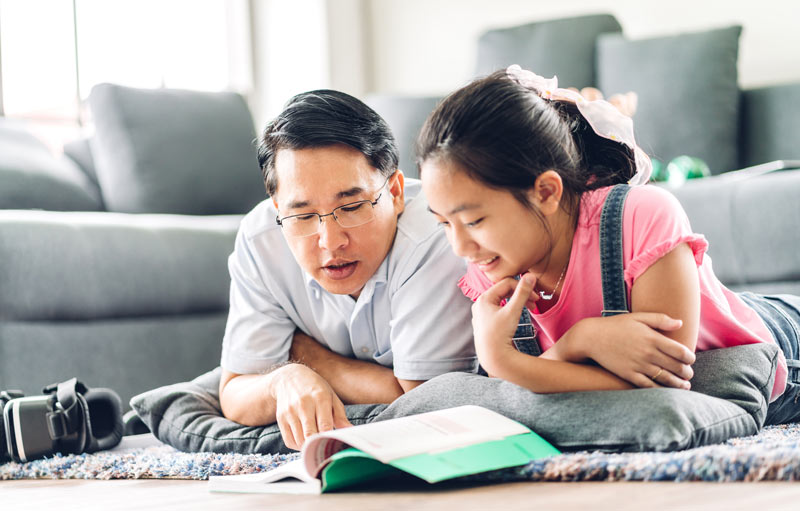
x=653 y=223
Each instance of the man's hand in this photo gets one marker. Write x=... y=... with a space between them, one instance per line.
x=305 y=404
x=354 y=381
x=632 y=346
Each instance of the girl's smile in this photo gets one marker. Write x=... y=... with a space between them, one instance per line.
x=492 y=229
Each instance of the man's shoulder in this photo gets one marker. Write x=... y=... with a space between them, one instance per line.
x=416 y=225
x=419 y=242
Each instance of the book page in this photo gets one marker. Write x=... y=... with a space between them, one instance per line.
x=430 y=432
x=289 y=478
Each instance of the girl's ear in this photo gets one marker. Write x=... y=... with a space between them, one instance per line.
x=546 y=192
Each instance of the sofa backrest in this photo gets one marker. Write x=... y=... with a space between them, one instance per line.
x=562 y=47
x=751 y=227
x=32 y=177
x=174 y=151
x=770 y=124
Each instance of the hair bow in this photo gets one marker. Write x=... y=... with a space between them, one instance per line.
x=602 y=116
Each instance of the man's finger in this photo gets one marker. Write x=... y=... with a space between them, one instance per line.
x=325 y=414
x=340 y=419
x=286 y=433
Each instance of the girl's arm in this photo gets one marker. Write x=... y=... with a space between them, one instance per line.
x=661 y=333
x=494 y=326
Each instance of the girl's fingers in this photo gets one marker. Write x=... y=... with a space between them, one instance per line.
x=665 y=378
x=658 y=320
x=500 y=290
x=675 y=350
x=522 y=293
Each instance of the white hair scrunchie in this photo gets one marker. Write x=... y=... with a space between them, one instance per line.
x=602 y=116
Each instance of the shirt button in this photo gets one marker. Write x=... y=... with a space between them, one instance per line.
x=364 y=350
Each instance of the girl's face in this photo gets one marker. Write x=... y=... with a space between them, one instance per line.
x=485 y=226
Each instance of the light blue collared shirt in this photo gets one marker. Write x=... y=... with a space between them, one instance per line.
x=410 y=315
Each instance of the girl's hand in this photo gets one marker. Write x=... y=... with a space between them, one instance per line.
x=494 y=325
x=633 y=347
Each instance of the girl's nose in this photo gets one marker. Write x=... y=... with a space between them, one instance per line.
x=462 y=243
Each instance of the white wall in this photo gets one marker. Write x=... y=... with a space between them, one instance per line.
x=429 y=46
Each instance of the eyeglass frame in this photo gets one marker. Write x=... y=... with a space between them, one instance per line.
x=372 y=204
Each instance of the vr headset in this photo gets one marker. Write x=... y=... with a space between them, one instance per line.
x=70 y=418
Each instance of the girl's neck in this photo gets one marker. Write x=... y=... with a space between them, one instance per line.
x=551 y=281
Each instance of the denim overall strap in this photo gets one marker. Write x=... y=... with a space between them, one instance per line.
x=525 y=338
x=615 y=295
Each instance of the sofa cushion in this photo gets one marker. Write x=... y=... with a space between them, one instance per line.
x=688 y=92
x=109 y=266
x=31 y=177
x=562 y=47
x=174 y=151
x=731 y=389
x=770 y=124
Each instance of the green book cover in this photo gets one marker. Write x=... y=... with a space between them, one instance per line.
x=434 y=446
x=355 y=467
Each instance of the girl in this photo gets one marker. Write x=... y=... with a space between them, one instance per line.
x=521 y=175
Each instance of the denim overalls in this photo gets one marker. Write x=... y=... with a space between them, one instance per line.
x=780 y=313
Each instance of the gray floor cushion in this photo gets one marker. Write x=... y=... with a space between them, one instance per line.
x=729 y=398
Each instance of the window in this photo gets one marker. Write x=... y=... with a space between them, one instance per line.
x=52 y=52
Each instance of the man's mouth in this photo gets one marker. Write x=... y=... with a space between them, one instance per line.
x=340 y=270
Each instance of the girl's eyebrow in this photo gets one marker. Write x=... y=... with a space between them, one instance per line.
x=457 y=209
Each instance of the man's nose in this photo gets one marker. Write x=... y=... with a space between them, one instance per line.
x=332 y=236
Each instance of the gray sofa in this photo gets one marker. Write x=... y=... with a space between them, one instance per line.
x=113 y=259
x=689 y=104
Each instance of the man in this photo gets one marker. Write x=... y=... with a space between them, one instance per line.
x=343 y=288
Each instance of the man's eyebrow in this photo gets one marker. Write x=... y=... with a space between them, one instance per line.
x=457 y=209
x=350 y=192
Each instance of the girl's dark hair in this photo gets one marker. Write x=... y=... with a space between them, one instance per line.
x=502 y=134
x=324 y=118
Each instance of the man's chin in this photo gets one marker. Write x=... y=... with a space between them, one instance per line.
x=350 y=286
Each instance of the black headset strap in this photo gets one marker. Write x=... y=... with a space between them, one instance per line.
x=68 y=415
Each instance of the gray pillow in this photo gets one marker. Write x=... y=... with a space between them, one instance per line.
x=731 y=390
x=188 y=417
x=31 y=177
x=688 y=92
x=563 y=47
x=174 y=151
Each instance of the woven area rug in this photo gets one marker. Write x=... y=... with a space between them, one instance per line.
x=772 y=455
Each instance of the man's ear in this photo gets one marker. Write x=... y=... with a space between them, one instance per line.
x=397 y=190
x=546 y=192
x=274 y=202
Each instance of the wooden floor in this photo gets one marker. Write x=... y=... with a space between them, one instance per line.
x=146 y=495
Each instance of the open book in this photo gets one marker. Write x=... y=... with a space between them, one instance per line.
x=434 y=446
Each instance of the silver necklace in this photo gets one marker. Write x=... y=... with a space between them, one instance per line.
x=545 y=296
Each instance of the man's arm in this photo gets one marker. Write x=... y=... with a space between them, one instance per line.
x=293 y=395
x=354 y=381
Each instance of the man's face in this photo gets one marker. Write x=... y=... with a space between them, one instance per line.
x=321 y=179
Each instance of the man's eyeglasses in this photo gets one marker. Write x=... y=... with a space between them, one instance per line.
x=348 y=215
